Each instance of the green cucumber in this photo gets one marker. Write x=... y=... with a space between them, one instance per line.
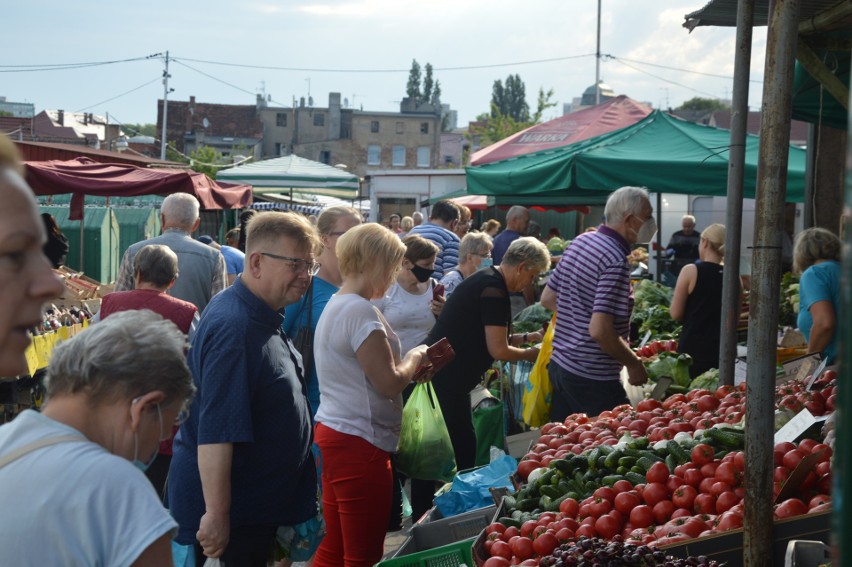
x=678 y=452
x=611 y=479
x=509 y=522
x=635 y=478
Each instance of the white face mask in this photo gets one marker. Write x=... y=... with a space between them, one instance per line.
x=647 y=231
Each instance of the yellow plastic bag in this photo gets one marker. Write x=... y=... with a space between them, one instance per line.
x=536 y=400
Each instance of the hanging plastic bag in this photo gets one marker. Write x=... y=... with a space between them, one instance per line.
x=425 y=449
x=536 y=401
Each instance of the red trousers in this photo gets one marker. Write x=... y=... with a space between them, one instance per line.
x=357 y=484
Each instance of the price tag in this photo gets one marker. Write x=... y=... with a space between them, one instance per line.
x=798 y=368
x=816 y=374
x=663 y=383
x=645 y=339
x=796 y=426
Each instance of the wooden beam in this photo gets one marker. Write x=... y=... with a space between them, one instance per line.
x=826 y=20
x=814 y=65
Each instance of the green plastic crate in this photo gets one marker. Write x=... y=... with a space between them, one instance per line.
x=452 y=555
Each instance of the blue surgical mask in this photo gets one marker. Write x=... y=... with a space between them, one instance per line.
x=486 y=263
x=142 y=465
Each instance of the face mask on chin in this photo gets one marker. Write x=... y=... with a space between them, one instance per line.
x=646 y=231
x=486 y=263
x=143 y=465
x=422 y=274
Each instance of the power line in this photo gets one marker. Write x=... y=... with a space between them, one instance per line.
x=179 y=62
x=674 y=68
x=119 y=96
x=62 y=66
x=664 y=79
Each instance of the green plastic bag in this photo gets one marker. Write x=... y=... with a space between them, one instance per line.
x=425 y=449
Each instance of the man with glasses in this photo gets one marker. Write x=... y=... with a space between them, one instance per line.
x=242 y=462
x=591 y=294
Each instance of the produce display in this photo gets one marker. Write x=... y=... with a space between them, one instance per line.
x=651 y=302
x=602 y=489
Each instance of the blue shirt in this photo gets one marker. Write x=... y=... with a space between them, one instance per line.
x=448 y=246
x=820 y=282
x=296 y=317
x=501 y=244
x=234 y=259
x=249 y=394
x=593 y=276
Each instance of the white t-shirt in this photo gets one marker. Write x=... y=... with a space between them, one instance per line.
x=450 y=281
x=348 y=402
x=73 y=504
x=409 y=315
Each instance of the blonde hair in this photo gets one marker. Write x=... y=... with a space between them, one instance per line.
x=370 y=248
x=268 y=227
x=406 y=224
x=528 y=250
x=418 y=248
x=10 y=156
x=491 y=224
x=814 y=244
x=715 y=235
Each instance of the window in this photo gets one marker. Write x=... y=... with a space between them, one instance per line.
x=398 y=155
x=423 y=156
x=319 y=119
x=278 y=148
x=374 y=126
x=325 y=157
x=400 y=127
x=424 y=127
x=374 y=154
x=281 y=119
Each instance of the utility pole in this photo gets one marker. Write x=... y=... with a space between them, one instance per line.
x=164 y=139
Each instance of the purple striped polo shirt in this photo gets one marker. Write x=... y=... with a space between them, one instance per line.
x=593 y=276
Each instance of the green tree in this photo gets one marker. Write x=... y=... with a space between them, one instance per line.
x=139 y=129
x=436 y=94
x=428 y=83
x=204 y=159
x=510 y=98
x=413 y=87
x=698 y=104
x=496 y=125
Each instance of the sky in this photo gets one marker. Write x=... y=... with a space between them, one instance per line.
x=227 y=52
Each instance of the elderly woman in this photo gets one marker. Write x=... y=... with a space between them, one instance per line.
x=362 y=375
x=332 y=223
x=406 y=224
x=26 y=280
x=477 y=321
x=697 y=302
x=113 y=392
x=409 y=306
x=474 y=253
x=816 y=255
x=155 y=272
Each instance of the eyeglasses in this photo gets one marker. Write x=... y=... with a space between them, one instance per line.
x=488 y=255
x=298 y=265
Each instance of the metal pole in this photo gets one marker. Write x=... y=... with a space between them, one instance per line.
x=771 y=191
x=734 y=209
x=843 y=425
x=810 y=159
x=598 y=60
x=164 y=139
x=658 y=253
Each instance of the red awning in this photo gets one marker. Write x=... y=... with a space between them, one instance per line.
x=608 y=116
x=83 y=176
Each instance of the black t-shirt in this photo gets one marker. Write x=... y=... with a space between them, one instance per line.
x=481 y=299
x=702 y=319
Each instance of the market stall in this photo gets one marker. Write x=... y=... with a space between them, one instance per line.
x=291 y=173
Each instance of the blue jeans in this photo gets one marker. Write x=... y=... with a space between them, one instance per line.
x=575 y=394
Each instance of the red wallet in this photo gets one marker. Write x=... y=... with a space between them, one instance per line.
x=439 y=354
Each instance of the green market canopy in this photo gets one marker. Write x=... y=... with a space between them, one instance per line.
x=660 y=152
x=288 y=173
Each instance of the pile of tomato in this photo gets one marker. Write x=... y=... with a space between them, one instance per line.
x=700 y=497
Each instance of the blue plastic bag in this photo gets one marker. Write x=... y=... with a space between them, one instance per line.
x=470 y=489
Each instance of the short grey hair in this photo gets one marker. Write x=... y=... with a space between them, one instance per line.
x=814 y=244
x=516 y=211
x=474 y=243
x=156 y=264
x=689 y=218
x=625 y=201
x=180 y=209
x=528 y=250
x=126 y=355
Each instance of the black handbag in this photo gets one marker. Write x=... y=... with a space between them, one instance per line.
x=304 y=339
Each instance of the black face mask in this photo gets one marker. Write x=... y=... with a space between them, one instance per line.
x=422 y=274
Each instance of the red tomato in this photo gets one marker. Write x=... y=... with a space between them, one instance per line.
x=702 y=454
x=501 y=549
x=730 y=520
x=622 y=486
x=528 y=527
x=607 y=526
x=648 y=405
x=780 y=474
x=705 y=504
x=654 y=492
x=641 y=516
x=723 y=391
x=791 y=507
x=673 y=482
x=823 y=468
x=497 y=561
x=509 y=533
x=821 y=508
x=807 y=445
x=663 y=511
x=529 y=562
x=719 y=487
x=727 y=472
x=569 y=507
x=693 y=477
x=819 y=500
x=658 y=473
x=792 y=458
x=706 y=484
x=626 y=501
x=605 y=492
x=586 y=531
x=692 y=527
x=563 y=535
x=684 y=496
x=707 y=402
x=495 y=527
x=526 y=467
x=681 y=513
x=726 y=501
x=826 y=456
x=599 y=507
